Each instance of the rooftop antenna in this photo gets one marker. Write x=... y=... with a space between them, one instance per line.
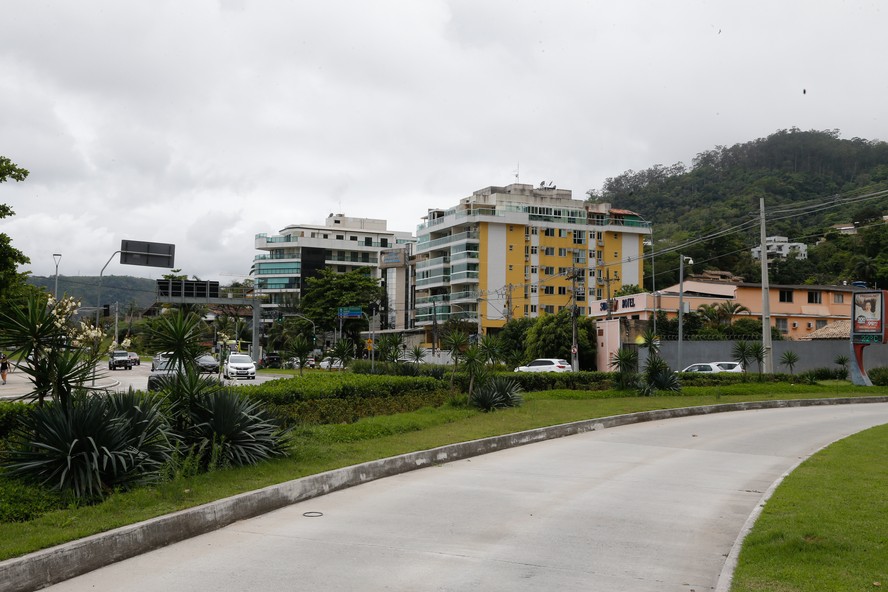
x=517 y=169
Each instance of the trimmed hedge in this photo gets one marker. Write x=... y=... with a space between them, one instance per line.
x=343 y=397
x=9 y=415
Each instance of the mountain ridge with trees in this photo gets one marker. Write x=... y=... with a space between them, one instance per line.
x=810 y=181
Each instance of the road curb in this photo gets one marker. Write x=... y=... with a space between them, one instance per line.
x=50 y=566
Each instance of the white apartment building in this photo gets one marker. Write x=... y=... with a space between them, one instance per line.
x=779 y=247
x=342 y=244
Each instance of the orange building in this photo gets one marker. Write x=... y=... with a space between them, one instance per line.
x=795 y=310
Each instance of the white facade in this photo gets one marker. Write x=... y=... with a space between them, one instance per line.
x=780 y=247
x=343 y=244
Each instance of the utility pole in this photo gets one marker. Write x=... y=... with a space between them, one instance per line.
x=768 y=362
x=574 y=348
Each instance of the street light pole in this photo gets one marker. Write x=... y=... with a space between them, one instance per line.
x=56 y=257
x=681 y=269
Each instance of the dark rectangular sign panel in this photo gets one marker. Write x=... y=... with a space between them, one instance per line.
x=148 y=254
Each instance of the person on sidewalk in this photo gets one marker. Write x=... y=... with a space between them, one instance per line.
x=4 y=367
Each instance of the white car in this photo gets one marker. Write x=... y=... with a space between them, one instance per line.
x=330 y=364
x=239 y=366
x=715 y=367
x=546 y=365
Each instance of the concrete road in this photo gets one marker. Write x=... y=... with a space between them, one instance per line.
x=654 y=506
x=17 y=383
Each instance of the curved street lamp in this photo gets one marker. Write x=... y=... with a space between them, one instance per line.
x=56 y=257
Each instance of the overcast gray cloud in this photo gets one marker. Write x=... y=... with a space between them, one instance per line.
x=203 y=123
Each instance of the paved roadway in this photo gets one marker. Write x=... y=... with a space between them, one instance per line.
x=17 y=383
x=654 y=506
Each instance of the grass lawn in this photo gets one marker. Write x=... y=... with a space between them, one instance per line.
x=826 y=527
x=320 y=448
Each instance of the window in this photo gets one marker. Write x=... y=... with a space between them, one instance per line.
x=820 y=323
x=550 y=251
x=534 y=249
x=368 y=241
x=838 y=298
x=533 y=230
x=579 y=237
x=533 y=308
x=549 y=309
x=354 y=238
x=562 y=252
x=814 y=297
x=511 y=247
x=616 y=254
x=339 y=236
x=548 y=290
x=782 y=326
x=533 y=288
x=598 y=294
x=534 y=270
x=562 y=290
x=599 y=255
x=785 y=295
x=549 y=270
x=548 y=232
x=562 y=233
x=616 y=235
x=510 y=268
x=383 y=242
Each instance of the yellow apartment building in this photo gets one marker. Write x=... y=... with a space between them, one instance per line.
x=522 y=251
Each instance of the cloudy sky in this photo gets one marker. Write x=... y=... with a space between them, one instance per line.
x=204 y=122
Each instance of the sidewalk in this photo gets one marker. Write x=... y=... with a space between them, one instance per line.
x=17 y=384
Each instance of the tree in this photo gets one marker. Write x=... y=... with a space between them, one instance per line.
x=628 y=290
x=300 y=348
x=789 y=359
x=13 y=285
x=329 y=291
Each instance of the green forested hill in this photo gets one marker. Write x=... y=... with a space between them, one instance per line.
x=129 y=292
x=810 y=180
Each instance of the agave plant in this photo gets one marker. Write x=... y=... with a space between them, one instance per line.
x=657 y=376
x=91 y=447
x=498 y=392
x=227 y=429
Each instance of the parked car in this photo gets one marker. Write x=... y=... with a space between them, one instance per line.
x=271 y=360
x=207 y=363
x=119 y=359
x=239 y=366
x=714 y=367
x=158 y=358
x=330 y=364
x=135 y=359
x=160 y=372
x=546 y=365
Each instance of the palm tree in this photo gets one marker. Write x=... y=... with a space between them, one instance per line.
x=626 y=363
x=709 y=313
x=342 y=352
x=456 y=342
x=727 y=310
x=300 y=349
x=491 y=348
x=865 y=268
x=758 y=353
x=789 y=359
x=417 y=354
x=743 y=353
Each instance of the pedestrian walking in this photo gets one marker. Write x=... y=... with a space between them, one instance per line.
x=4 y=366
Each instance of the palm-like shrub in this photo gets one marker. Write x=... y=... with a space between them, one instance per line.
x=498 y=392
x=626 y=363
x=789 y=359
x=657 y=376
x=228 y=429
x=91 y=447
